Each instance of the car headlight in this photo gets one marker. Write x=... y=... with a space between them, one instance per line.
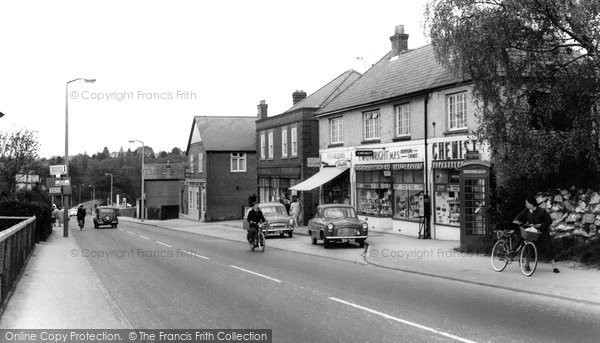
x=365 y=226
x=330 y=227
x=357 y=232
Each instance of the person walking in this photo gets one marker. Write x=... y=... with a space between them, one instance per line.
x=59 y=217
x=295 y=209
x=53 y=215
x=81 y=216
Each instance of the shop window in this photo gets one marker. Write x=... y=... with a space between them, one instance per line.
x=408 y=187
x=447 y=201
x=374 y=193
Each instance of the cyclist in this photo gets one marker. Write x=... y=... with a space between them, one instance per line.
x=255 y=216
x=541 y=220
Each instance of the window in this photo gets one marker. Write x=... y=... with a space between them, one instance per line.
x=262 y=146
x=270 y=145
x=408 y=186
x=457 y=111
x=192 y=163
x=294 y=141
x=200 y=162
x=403 y=120
x=238 y=162
x=371 y=125
x=336 y=130
x=284 y=143
x=374 y=193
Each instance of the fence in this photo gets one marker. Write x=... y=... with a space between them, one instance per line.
x=16 y=244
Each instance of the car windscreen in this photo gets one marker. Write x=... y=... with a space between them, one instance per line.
x=107 y=211
x=272 y=210
x=339 y=212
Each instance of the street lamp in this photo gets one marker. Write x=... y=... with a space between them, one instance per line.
x=66 y=208
x=93 y=192
x=142 y=211
x=111 y=186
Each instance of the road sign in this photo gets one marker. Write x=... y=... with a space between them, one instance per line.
x=363 y=153
x=58 y=169
x=66 y=182
x=55 y=190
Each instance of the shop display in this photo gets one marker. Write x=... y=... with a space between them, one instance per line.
x=370 y=202
x=447 y=205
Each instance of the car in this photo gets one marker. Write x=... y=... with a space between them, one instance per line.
x=337 y=223
x=73 y=211
x=106 y=215
x=277 y=218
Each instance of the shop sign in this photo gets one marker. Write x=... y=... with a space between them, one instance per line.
x=453 y=188
x=453 y=150
x=363 y=153
x=391 y=155
x=332 y=157
x=313 y=162
x=342 y=164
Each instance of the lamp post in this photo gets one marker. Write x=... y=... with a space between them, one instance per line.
x=142 y=211
x=111 y=186
x=93 y=192
x=65 y=204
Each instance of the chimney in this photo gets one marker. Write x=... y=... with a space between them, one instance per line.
x=399 y=41
x=298 y=96
x=262 y=110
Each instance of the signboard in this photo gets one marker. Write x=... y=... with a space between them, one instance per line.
x=27 y=178
x=66 y=182
x=58 y=169
x=55 y=190
x=363 y=153
x=313 y=162
x=342 y=164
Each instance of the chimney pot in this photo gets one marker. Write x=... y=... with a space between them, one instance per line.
x=399 y=41
x=298 y=96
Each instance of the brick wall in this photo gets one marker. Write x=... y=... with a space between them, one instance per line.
x=161 y=192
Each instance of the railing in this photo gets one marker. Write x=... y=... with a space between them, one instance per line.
x=16 y=244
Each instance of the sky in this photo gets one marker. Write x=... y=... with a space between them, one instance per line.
x=157 y=64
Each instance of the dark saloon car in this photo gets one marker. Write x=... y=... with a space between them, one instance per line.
x=278 y=220
x=337 y=223
x=106 y=215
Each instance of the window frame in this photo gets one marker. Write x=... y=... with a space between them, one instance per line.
x=238 y=157
x=452 y=108
x=284 y=142
x=404 y=122
x=270 y=145
x=191 y=158
x=333 y=123
x=263 y=146
x=369 y=116
x=200 y=162
x=294 y=141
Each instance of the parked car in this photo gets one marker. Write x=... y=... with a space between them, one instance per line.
x=337 y=223
x=106 y=215
x=73 y=211
x=278 y=220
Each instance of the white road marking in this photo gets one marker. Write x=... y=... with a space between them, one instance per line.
x=191 y=253
x=254 y=273
x=387 y=316
x=144 y=237
x=161 y=243
x=121 y=229
x=131 y=233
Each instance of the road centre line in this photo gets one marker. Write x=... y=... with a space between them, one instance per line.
x=161 y=243
x=144 y=237
x=387 y=316
x=191 y=253
x=131 y=233
x=254 y=273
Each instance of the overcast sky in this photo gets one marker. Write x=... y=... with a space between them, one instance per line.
x=160 y=63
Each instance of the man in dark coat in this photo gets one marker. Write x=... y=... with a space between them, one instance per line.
x=81 y=216
x=255 y=216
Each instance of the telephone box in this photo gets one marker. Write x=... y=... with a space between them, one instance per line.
x=475 y=182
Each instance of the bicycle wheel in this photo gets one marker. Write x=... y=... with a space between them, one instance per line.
x=528 y=258
x=499 y=255
x=261 y=241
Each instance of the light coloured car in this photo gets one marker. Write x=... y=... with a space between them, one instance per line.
x=73 y=211
x=277 y=218
x=337 y=223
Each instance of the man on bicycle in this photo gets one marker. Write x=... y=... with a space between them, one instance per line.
x=541 y=220
x=255 y=216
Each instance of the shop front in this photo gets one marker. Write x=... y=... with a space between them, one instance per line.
x=193 y=197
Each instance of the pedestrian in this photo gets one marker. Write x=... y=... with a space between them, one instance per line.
x=53 y=215
x=59 y=217
x=295 y=209
x=541 y=220
x=81 y=217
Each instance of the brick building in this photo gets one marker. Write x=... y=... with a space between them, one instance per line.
x=221 y=168
x=287 y=142
x=161 y=182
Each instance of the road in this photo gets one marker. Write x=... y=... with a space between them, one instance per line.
x=162 y=278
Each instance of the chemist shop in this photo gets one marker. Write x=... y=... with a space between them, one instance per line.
x=389 y=186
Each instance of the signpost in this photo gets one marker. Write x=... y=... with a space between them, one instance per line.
x=58 y=170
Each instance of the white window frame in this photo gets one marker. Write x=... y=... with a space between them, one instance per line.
x=192 y=164
x=372 y=125
x=294 y=143
x=263 y=146
x=336 y=130
x=270 y=145
x=402 y=120
x=200 y=162
x=237 y=159
x=456 y=107
x=284 y=142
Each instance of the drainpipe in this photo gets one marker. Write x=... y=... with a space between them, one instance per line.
x=426 y=199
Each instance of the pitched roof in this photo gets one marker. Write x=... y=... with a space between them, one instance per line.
x=328 y=92
x=226 y=133
x=413 y=71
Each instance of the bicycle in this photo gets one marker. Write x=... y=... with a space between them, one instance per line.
x=509 y=246
x=258 y=240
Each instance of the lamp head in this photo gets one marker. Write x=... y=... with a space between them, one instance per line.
x=89 y=80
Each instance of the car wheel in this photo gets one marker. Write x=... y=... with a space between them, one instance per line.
x=95 y=226
x=281 y=233
x=290 y=233
x=326 y=244
x=314 y=241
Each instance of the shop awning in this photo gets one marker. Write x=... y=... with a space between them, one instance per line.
x=323 y=176
x=447 y=164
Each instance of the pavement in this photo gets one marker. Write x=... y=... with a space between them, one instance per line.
x=54 y=292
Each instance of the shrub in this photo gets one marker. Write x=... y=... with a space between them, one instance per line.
x=30 y=203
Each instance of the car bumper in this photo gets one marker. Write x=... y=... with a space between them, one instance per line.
x=334 y=238
x=279 y=230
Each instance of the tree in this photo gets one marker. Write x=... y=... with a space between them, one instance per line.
x=18 y=151
x=176 y=151
x=535 y=67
